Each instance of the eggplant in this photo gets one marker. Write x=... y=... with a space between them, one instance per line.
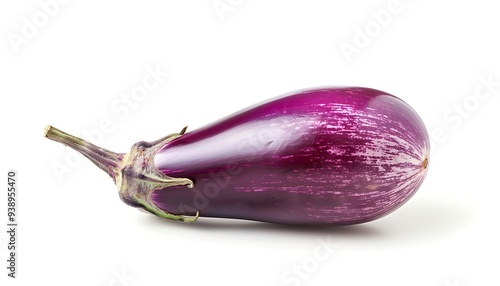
x=321 y=156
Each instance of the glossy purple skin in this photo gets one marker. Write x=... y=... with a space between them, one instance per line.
x=334 y=155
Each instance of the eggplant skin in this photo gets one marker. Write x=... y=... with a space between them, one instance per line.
x=324 y=156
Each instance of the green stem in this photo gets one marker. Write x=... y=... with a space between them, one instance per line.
x=108 y=161
x=134 y=173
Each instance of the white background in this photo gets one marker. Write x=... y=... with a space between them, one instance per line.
x=72 y=70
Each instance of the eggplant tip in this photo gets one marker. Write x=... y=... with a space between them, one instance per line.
x=425 y=163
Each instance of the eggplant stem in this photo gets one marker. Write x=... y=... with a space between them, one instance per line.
x=134 y=173
x=106 y=160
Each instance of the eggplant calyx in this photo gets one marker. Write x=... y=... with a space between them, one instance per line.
x=139 y=178
x=135 y=173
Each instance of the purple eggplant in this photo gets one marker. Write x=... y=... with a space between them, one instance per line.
x=324 y=156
